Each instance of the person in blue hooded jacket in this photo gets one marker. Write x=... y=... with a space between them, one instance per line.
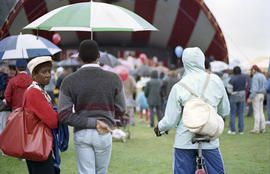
x=215 y=95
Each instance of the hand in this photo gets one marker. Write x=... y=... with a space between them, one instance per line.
x=102 y=127
x=249 y=101
x=157 y=132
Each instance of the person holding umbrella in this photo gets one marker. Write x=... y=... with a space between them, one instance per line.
x=98 y=96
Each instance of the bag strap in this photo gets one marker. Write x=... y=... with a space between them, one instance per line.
x=188 y=89
x=205 y=84
x=191 y=91
x=24 y=97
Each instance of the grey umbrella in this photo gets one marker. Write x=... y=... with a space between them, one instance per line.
x=143 y=71
x=108 y=59
x=105 y=58
x=69 y=62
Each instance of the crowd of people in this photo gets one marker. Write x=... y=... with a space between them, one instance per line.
x=90 y=98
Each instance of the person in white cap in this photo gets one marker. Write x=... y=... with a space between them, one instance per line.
x=39 y=102
x=215 y=95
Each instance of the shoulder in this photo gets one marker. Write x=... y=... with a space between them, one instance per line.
x=33 y=92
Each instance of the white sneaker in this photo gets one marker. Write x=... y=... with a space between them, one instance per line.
x=230 y=132
x=241 y=133
x=267 y=122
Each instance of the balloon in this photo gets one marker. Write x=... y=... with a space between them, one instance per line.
x=178 y=51
x=143 y=57
x=122 y=71
x=56 y=38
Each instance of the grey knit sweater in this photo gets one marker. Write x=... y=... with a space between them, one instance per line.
x=96 y=95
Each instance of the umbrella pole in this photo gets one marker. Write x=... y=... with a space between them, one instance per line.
x=90 y=20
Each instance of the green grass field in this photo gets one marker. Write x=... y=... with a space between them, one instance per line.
x=147 y=154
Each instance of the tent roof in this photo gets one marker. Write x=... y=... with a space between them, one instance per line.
x=186 y=23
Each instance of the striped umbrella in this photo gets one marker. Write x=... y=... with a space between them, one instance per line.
x=26 y=46
x=91 y=16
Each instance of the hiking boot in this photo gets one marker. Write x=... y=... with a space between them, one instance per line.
x=230 y=132
x=253 y=131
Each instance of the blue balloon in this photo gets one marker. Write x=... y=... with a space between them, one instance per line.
x=178 y=51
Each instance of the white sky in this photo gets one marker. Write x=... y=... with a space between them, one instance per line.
x=245 y=25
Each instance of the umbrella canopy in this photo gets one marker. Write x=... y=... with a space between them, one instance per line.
x=161 y=69
x=26 y=46
x=143 y=71
x=105 y=58
x=218 y=66
x=69 y=62
x=90 y=16
x=108 y=59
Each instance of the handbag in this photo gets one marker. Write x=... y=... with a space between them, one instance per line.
x=26 y=136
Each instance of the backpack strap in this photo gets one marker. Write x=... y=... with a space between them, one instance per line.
x=191 y=91
x=187 y=88
x=205 y=84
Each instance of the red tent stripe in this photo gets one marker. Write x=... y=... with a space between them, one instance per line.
x=4 y=31
x=184 y=23
x=35 y=9
x=145 y=9
x=216 y=48
x=12 y=15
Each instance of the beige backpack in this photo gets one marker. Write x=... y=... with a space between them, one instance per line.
x=200 y=117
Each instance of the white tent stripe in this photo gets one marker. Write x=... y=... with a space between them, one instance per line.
x=42 y=19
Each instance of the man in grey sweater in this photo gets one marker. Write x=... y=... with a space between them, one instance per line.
x=97 y=96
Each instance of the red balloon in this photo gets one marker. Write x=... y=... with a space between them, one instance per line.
x=56 y=38
x=122 y=71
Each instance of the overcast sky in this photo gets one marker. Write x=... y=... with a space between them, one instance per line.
x=245 y=25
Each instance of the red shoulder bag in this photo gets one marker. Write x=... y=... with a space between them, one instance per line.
x=26 y=136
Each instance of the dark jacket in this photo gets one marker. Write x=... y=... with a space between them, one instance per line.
x=152 y=90
x=168 y=83
x=239 y=82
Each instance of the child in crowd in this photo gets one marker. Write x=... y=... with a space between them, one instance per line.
x=141 y=99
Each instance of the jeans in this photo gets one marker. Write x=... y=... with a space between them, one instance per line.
x=268 y=106
x=239 y=108
x=3 y=119
x=185 y=161
x=93 y=151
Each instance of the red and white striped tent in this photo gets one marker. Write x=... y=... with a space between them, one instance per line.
x=180 y=22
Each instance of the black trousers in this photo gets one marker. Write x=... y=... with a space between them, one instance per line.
x=43 y=167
